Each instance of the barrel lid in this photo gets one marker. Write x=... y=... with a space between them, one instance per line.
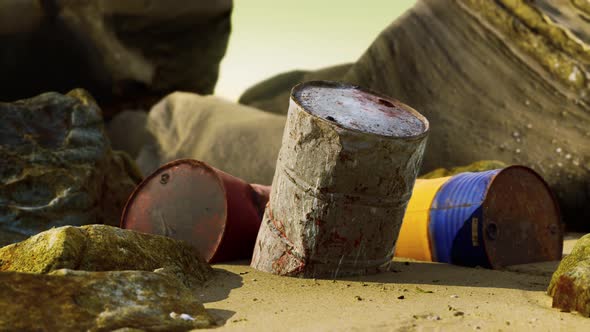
x=184 y=200
x=521 y=219
x=359 y=109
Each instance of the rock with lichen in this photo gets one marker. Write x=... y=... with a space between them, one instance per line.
x=57 y=167
x=478 y=166
x=67 y=300
x=504 y=79
x=104 y=248
x=128 y=54
x=570 y=284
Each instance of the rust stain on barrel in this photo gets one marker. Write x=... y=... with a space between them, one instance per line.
x=344 y=174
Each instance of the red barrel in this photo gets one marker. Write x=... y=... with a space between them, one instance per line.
x=189 y=200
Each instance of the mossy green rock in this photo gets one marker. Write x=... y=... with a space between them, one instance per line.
x=478 y=166
x=57 y=167
x=67 y=300
x=104 y=248
x=570 y=284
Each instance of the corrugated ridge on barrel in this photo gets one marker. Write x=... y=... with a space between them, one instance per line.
x=456 y=203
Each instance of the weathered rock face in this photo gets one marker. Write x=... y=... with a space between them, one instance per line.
x=236 y=139
x=128 y=54
x=104 y=248
x=570 y=284
x=57 y=167
x=67 y=300
x=478 y=166
x=502 y=79
x=127 y=132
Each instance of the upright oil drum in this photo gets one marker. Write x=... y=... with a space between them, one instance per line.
x=491 y=219
x=345 y=172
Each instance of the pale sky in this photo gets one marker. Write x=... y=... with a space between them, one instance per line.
x=273 y=36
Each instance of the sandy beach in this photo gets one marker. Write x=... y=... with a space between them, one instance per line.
x=411 y=296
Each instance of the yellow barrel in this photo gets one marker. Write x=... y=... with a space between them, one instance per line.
x=413 y=240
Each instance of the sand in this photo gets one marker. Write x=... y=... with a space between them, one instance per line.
x=411 y=296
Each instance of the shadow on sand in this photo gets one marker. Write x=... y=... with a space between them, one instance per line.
x=530 y=277
x=216 y=289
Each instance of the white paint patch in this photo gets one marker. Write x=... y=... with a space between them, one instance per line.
x=174 y=315
x=574 y=75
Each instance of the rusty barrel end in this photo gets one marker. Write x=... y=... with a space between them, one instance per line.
x=219 y=214
x=184 y=199
x=521 y=219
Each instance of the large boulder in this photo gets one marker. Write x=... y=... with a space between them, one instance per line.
x=504 y=80
x=128 y=54
x=570 y=284
x=57 y=167
x=67 y=300
x=127 y=132
x=236 y=139
x=104 y=248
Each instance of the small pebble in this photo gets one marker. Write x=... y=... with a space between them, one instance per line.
x=568 y=156
x=454 y=296
x=529 y=126
x=558 y=150
x=527 y=102
x=517 y=150
x=515 y=134
x=174 y=315
x=458 y=313
x=358 y=298
x=401 y=297
x=186 y=317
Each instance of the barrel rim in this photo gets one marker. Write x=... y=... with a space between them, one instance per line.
x=144 y=182
x=297 y=89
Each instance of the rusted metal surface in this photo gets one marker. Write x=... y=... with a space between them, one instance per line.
x=521 y=219
x=189 y=200
x=346 y=168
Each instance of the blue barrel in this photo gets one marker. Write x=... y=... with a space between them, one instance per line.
x=495 y=218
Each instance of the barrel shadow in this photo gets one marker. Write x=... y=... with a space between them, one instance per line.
x=217 y=288
x=530 y=277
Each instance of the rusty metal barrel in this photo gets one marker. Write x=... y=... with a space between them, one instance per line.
x=490 y=219
x=345 y=172
x=189 y=200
